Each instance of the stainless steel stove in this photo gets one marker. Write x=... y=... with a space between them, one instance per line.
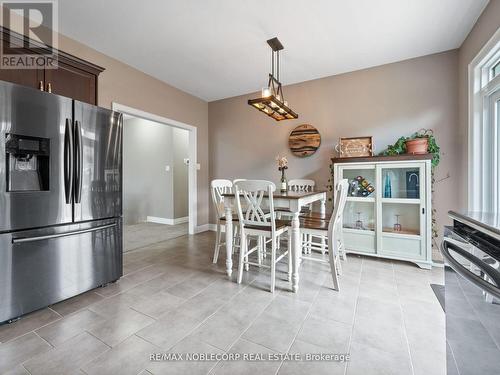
x=471 y=249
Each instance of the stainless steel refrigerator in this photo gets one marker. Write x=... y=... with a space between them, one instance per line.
x=60 y=198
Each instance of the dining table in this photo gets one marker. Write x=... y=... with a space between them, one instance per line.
x=293 y=201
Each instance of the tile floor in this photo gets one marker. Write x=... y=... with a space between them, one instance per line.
x=137 y=236
x=173 y=299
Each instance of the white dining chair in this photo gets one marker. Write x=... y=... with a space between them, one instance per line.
x=300 y=185
x=331 y=230
x=254 y=221
x=219 y=187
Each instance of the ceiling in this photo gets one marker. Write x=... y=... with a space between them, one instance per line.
x=215 y=49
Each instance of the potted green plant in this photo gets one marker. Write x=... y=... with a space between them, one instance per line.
x=421 y=142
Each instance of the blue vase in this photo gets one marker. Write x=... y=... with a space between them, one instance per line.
x=387 y=187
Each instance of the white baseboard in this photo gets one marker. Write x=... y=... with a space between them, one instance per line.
x=202 y=228
x=181 y=220
x=163 y=220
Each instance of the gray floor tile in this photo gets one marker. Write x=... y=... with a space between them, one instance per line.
x=27 y=323
x=74 y=304
x=247 y=367
x=190 y=287
x=293 y=311
x=128 y=358
x=129 y=281
x=221 y=330
x=200 y=306
x=334 y=336
x=112 y=306
x=68 y=358
x=382 y=290
x=422 y=292
x=158 y=304
x=335 y=309
x=472 y=360
x=115 y=330
x=422 y=335
x=429 y=361
x=19 y=350
x=18 y=370
x=188 y=345
x=72 y=325
x=310 y=367
x=273 y=332
x=366 y=359
x=169 y=330
x=383 y=334
x=379 y=310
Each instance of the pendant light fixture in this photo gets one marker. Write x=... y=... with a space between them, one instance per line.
x=272 y=102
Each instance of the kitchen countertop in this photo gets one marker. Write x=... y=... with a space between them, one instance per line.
x=486 y=222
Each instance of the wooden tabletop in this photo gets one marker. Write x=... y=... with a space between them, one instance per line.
x=287 y=195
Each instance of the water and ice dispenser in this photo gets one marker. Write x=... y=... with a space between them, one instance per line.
x=28 y=163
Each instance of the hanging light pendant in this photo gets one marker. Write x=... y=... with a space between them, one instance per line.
x=272 y=102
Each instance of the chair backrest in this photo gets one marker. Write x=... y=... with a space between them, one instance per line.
x=251 y=195
x=338 y=210
x=301 y=185
x=218 y=188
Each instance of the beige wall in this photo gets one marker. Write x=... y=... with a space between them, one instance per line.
x=123 y=84
x=386 y=102
x=483 y=30
x=148 y=189
x=180 y=147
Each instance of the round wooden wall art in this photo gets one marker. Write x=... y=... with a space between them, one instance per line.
x=304 y=140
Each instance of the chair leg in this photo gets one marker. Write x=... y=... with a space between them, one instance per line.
x=339 y=264
x=235 y=239
x=289 y=255
x=263 y=246
x=217 y=243
x=273 y=264
x=243 y=251
x=247 y=266
x=333 y=265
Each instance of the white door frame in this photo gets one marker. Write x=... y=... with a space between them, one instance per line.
x=192 y=183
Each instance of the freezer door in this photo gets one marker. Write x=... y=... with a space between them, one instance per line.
x=98 y=162
x=35 y=158
x=41 y=267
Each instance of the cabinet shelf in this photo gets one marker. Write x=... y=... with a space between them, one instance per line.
x=359 y=231
x=401 y=200
x=405 y=233
x=361 y=199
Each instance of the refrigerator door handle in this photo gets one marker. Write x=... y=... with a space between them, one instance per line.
x=51 y=236
x=68 y=161
x=78 y=162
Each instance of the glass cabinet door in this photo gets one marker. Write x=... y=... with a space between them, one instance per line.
x=359 y=219
x=401 y=208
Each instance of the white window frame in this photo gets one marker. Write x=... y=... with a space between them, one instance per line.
x=484 y=142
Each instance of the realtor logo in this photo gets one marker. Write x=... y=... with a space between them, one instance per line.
x=30 y=34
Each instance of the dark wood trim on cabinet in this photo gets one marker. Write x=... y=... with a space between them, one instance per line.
x=61 y=55
x=368 y=159
x=74 y=77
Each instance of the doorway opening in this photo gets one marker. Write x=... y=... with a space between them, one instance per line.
x=159 y=187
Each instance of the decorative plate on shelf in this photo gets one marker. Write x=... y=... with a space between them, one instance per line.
x=304 y=140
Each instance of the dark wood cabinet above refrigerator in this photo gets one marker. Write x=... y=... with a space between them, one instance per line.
x=74 y=78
